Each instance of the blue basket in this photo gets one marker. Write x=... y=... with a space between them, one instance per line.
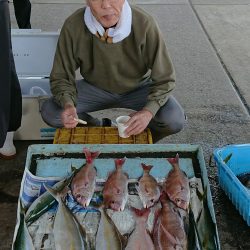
x=239 y=163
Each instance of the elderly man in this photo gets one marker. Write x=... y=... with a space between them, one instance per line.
x=124 y=64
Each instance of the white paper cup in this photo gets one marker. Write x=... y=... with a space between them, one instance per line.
x=120 y=124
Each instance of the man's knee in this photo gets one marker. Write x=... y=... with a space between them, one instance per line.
x=168 y=128
x=175 y=126
x=51 y=114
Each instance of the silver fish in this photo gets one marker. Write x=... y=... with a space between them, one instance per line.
x=44 y=202
x=23 y=239
x=107 y=237
x=68 y=233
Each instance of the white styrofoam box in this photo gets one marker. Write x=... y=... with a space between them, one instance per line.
x=34 y=92
x=33 y=52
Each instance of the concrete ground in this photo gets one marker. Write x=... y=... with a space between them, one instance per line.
x=209 y=42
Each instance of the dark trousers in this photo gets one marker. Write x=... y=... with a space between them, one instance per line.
x=11 y=98
x=22 y=13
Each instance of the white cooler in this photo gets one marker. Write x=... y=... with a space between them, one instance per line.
x=34 y=54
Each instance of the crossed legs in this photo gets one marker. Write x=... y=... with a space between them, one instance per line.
x=168 y=120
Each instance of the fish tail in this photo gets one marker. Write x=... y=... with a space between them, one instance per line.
x=119 y=162
x=90 y=156
x=146 y=168
x=141 y=212
x=95 y=154
x=174 y=161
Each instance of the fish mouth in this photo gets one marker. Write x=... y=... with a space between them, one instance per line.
x=116 y=208
x=181 y=204
x=122 y=207
x=83 y=201
x=145 y=205
x=148 y=205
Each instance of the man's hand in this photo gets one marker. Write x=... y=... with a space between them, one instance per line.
x=68 y=116
x=138 y=122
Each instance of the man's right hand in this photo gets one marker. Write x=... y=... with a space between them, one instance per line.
x=68 y=116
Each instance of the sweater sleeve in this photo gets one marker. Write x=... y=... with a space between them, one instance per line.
x=162 y=71
x=62 y=77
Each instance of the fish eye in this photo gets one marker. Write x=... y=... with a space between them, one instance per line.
x=179 y=202
x=152 y=200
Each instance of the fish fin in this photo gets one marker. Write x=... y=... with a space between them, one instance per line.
x=147 y=190
x=52 y=191
x=174 y=160
x=90 y=156
x=126 y=174
x=141 y=212
x=94 y=155
x=123 y=239
x=86 y=152
x=73 y=169
x=146 y=168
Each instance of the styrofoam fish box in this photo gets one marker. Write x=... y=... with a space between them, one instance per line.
x=228 y=170
x=53 y=162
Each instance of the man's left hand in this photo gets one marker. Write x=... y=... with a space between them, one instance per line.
x=138 y=122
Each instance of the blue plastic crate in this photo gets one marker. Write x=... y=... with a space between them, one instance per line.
x=239 y=163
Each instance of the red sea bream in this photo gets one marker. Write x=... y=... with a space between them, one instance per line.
x=83 y=183
x=115 y=191
x=176 y=185
x=148 y=188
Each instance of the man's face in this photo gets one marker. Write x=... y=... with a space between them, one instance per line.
x=106 y=12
